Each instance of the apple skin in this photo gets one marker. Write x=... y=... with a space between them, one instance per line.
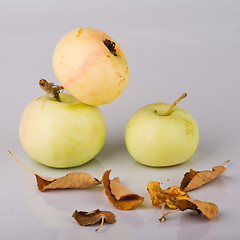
x=87 y=69
x=62 y=134
x=156 y=140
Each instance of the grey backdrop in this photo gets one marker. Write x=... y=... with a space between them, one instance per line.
x=172 y=47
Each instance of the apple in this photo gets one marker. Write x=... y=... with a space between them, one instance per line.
x=62 y=134
x=161 y=134
x=91 y=66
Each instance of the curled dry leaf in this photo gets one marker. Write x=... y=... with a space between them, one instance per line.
x=177 y=199
x=90 y=218
x=71 y=180
x=195 y=179
x=121 y=197
x=168 y=196
x=209 y=209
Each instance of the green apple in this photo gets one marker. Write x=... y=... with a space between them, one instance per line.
x=91 y=65
x=156 y=139
x=62 y=134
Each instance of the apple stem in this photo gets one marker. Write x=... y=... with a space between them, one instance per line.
x=174 y=104
x=51 y=89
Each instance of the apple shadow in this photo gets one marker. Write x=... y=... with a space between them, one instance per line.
x=112 y=148
x=93 y=167
x=209 y=145
x=203 y=151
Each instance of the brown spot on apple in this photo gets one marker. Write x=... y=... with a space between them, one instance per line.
x=79 y=32
x=111 y=45
x=189 y=129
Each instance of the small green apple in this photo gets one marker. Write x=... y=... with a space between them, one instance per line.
x=157 y=139
x=91 y=66
x=62 y=134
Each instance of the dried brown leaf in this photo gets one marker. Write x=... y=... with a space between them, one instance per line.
x=195 y=179
x=90 y=218
x=168 y=196
x=177 y=199
x=209 y=209
x=121 y=197
x=118 y=190
x=71 y=180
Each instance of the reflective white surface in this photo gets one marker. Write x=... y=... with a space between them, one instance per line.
x=172 y=47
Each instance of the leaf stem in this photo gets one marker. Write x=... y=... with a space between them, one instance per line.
x=225 y=162
x=100 y=224
x=162 y=218
x=21 y=162
x=174 y=104
x=163 y=206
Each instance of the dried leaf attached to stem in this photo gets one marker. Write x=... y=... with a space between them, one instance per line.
x=71 y=180
x=121 y=197
x=195 y=179
x=177 y=199
x=90 y=218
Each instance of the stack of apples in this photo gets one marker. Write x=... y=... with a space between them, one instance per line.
x=70 y=130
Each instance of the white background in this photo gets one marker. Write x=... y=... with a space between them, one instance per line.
x=172 y=47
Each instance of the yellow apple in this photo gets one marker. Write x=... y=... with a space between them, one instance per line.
x=62 y=134
x=156 y=139
x=91 y=66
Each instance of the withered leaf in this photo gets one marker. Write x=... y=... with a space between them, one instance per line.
x=209 y=209
x=177 y=199
x=195 y=179
x=90 y=218
x=71 y=180
x=168 y=196
x=121 y=197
